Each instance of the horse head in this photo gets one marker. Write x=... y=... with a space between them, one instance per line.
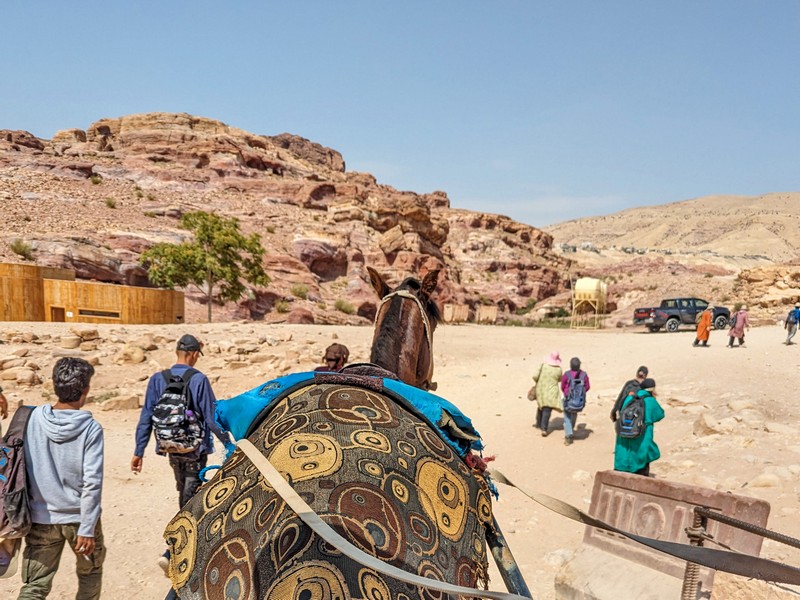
x=404 y=325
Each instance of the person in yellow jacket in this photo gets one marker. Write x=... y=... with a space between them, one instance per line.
x=548 y=392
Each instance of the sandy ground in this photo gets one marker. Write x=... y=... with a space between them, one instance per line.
x=487 y=371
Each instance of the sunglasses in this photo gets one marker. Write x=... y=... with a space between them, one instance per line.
x=333 y=360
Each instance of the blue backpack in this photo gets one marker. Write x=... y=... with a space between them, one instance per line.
x=575 y=398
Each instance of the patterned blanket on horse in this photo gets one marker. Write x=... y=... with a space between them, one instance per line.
x=377 y=473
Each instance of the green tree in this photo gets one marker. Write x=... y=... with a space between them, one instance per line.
x=216 y=261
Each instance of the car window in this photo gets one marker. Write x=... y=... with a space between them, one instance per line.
x=685 y=304
x=702 y=304
x=668 y=303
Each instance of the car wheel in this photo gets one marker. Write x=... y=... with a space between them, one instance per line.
x=672 y=325
x=721 y=322
x=654 y=328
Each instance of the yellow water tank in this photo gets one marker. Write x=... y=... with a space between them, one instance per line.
x=591 y=289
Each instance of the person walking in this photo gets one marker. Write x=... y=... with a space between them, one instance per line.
x=574 y=385
x=704 y=327
x=186 y=467
x=64 y=466
x=547 y=391
x=790 y=324
x=631 y=387
x=739 y=321
x=634 y=455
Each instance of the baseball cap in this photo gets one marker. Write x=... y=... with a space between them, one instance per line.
x=189 y=343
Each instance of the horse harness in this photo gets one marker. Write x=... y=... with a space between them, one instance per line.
x=405 y=294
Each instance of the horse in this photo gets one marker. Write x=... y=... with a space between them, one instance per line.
x=369 y=455
x=404 y=324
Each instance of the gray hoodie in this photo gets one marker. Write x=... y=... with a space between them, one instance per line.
x=64 y=459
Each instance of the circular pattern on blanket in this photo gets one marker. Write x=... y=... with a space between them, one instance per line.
x=400 y=491
x=465 y=573
x=284 y=427
x=369 y=518
x=406 y=448
x=423 y=531
x=443 y=497
x=228 y=572
x=215 y=528
x=216 y=492
x=371 y=468
x=484 y=505
x=313 y=580
x=306 y=456
x=265 y=517
x=372 y=586
x=433 y=443
x=356 y=405
x=241 y=509
x=292 y=539
x=181 y=537
x=430 y=571
x=367 y=438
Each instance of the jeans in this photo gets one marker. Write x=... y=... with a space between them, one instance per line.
x=792 y=330
x=40 y=559
x=570 y=419
x=187 y=474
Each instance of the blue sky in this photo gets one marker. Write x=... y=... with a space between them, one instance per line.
x=543 y=111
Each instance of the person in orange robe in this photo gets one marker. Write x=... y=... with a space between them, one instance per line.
x=704 y=327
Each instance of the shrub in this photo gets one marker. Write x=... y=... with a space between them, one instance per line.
x=524 y=310
x=96 y=179
x=150 y=214
x=111 y=203
x=270 y=228
x=139 y=193
x=299 y=290
x=345 y=307
x=151 y=197
x=282 y=306
x=21 y=247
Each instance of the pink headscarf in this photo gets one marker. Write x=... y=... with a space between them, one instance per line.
x=554 y=359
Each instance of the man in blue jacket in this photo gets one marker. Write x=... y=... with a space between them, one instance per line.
x=64 y=466
x=202 y=402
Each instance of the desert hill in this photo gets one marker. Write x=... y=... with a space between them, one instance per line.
x=763 y=227
x=726 y=249
x=93 y=200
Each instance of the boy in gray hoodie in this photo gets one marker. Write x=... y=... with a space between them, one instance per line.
x=64 y=462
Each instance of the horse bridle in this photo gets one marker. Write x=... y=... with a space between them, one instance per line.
x=405 y=294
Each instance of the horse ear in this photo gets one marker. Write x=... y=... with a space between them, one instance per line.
x=378 y=284
x=429 y=283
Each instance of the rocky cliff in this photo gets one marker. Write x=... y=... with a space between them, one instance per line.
x=93 y=200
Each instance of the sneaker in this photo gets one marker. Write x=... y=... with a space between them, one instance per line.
x=545 y=433
x=163 y=563
x=567 y=441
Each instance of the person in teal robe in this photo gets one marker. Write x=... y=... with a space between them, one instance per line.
x=634 y=455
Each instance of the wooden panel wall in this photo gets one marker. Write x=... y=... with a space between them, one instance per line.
x=88 y=302
x=21 y=299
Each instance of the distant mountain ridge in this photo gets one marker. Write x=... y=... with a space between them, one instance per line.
x=735 y=226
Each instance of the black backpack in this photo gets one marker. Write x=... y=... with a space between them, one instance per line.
x=575 y=398
x=177 y=428
x=631 y=418
x=15 y=512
